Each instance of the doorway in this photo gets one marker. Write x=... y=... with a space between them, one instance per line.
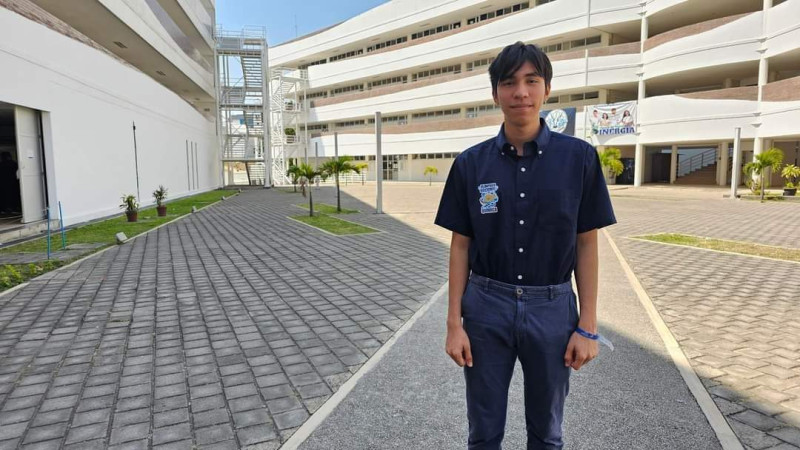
x=10 y=200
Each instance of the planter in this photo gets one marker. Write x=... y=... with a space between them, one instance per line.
x=789 y=192
x=132 y=215
x=162 y=211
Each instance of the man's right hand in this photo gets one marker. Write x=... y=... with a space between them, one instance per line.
x=457 y=346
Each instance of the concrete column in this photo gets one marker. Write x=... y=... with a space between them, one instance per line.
x=673 y=165
x=722 y=166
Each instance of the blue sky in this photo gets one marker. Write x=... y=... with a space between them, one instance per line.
x=278 y=16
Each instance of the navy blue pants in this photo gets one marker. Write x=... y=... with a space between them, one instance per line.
x=505 y=322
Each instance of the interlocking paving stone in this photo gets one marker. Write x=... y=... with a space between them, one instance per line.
x=729 y=312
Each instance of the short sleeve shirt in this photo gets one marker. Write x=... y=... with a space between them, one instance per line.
x=523 y=214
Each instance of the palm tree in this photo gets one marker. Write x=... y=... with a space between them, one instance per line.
x=335 y=167
x=362 y=167
x=307 y=174
x=768 y=159
x=430 y=171
x=294 y=173
x=609 y=158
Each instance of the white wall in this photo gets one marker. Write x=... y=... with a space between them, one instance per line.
x=671 y=118
x=90 y=101
x=733 y=42
x=783 y=28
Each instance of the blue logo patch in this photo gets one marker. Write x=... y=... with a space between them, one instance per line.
x=488 y=198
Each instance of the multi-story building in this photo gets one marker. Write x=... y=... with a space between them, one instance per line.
x=690 y=71
x=100 y=98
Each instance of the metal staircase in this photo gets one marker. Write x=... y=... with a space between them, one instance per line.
x=288 y=119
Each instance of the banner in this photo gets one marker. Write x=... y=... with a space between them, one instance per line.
x=560 y=120
x=614 y=118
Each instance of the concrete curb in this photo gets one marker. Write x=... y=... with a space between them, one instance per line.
x=327 y=408
x=727 y=438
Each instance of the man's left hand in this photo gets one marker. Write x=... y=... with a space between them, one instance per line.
x=580 y=351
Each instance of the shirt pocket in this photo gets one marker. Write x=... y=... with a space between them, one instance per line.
x=557 y=210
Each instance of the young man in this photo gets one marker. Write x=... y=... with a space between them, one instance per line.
x=524 y=208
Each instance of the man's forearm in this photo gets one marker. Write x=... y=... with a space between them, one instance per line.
x=458 y=275
x=586 y=275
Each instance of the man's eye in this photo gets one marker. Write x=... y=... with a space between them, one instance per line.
x=533 y=81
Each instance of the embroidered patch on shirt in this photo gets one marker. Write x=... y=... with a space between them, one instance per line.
x=488 y=198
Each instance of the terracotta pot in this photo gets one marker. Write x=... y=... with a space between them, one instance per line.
x=132 y=215
x=162 y=211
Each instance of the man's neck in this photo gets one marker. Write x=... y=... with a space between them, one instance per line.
x=518 y=135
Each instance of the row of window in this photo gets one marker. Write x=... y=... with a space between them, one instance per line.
x=388 y=43
x=435 y=155
x=392 y=120
x=435 y=72
x=568 y=98
x=346 y=55
x=573 y=44
x=388 y=81
x=344 y=89
x=436 y=30
x=482 y=110
x=498 y=13
x=472 y=65
x=428 y=115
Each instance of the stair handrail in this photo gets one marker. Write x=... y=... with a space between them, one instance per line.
x=701 y=160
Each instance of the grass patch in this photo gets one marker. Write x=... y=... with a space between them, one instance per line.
x=101 y=232
x=744 y=248
x=324 y=208
x=333 y=225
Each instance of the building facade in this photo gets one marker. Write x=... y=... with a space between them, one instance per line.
x=691 y=71
x=101 y=98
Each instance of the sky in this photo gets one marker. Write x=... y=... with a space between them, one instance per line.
x=280 y=16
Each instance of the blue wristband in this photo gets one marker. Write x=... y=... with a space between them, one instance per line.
x=586 y=334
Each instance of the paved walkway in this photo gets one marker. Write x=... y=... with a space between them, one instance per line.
x=225 y=329
x=633 y=398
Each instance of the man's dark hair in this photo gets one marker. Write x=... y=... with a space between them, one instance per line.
x=513 y=57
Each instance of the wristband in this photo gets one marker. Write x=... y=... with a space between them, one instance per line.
x=595 y=337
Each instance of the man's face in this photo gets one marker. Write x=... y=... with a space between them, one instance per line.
x=522 y=95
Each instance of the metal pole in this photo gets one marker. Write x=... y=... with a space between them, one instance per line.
x=48 y=232
x=61 y=223
x=336 y=144
x=266 y=119
x=737 y=160
x=316 y=154
x=378 y=164
x=136 y=160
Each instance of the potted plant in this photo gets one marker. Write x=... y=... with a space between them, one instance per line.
x=756 y=170
x=609 y=159
x=131 y=207
x=791 y=173
x=160 y=194
x=430 y=171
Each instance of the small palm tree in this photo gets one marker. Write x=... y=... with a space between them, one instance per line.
x=307 y=174
x=336 y=167
x=609 y=159
x=362 y=167
x=768 y=159
x=294 y=174
x=430 y=171
x=792 y=174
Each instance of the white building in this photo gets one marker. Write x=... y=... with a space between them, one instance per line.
x=694 y=69
x=75 y=76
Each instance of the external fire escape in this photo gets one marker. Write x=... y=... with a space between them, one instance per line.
x=288 y=118
x=243 y=99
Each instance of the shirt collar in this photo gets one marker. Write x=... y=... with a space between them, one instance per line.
x=538 y=144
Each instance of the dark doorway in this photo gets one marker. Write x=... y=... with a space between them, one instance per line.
x=626 y=177
x=10 y=200
x=661 y=163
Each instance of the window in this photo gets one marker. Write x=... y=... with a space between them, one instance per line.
x=552 y=48
x=435 y=72
x=388 y=81
x=346 y=55
x=472 y=65
x=391 y=120
x=315 y=63
x=350 y=124
x=345 y=89
x=498 y=13
x=318 y=127
x=436 y=30
x=434 y=115
x=481 y=110
x=388 y=43
x=584 y=42
x=320 y=94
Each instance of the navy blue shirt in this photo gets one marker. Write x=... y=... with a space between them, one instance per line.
x=524 y=213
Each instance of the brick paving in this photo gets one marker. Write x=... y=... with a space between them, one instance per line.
x=223 y=330
x=735 y=317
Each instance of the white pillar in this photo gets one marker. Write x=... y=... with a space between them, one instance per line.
x=638 y=161
x=737 y=161
x=723 y=164
x=673 y=164
x=378 y=164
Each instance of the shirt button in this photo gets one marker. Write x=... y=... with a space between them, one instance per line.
x=522 y=169
x=522 y=194
x=512 y=148
x=521 y=250
x=540 y=152
x=519 y=277
x=522 y=222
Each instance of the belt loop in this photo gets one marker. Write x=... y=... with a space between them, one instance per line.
x=550 y=291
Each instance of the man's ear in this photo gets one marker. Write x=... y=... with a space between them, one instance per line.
x=494 y=96
x=546 y=92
